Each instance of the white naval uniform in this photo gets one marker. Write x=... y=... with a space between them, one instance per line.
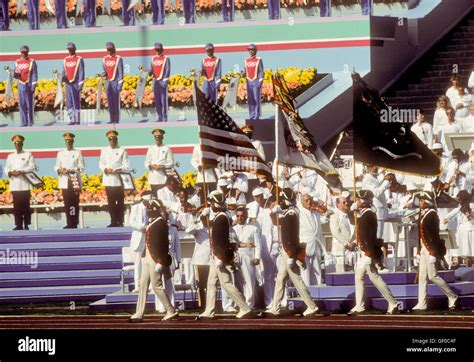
x=464 y=232
x=137 y=221
x=196 y=163
x=115 y=158
x=454 y=127
x=161 y=156
x=23 y=162
x=269 y=253
x=440 y=119
x=461 y=182
x=246 y=280
x=424 y=132
x=167 y=197
x=71 y=160
x=342 y=233
x=261 y=152
x=311 y=234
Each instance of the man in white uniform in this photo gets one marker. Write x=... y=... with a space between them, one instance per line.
x=248 y=243
x=423 y=130
x=210 y=174
x=158 y=158
x=138 y=221
x=113 y=161
x=69 y=165
x=19 y=163
x=312 y=236
x=342 y=233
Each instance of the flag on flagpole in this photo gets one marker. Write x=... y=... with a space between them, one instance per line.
x=223 y=144
x=382 y=137
x=295 y=146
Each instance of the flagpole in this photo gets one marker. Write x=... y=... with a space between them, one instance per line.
x=355 y=194
x=277 y=189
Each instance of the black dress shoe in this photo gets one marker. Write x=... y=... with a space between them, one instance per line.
x=111 y=225
x=18 y=228
x=135 y=320
x=26 y=228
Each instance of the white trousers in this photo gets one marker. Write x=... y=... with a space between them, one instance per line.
x=246 y=278
x=427 y=271
x=224 y=277
x=149 y=275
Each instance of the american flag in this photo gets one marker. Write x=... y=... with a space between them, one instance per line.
x=223 y=144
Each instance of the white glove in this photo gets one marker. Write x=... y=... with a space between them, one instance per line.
x=206 y=211
x=290 y=262
x=367 y=260
x=219 y=264
x=277 y=209
x=353 y=207
x=158 y=267
x=432 y=259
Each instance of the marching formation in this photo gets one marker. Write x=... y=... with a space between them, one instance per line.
x=73 y=75
x=252 y=231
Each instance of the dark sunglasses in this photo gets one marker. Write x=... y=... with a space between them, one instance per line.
x=112 y=138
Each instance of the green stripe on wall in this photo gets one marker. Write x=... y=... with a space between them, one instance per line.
x=96 y=137
x=191 y=36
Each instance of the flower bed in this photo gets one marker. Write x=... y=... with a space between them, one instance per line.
x=204 y=6
x=180 y=90
x=92 y=189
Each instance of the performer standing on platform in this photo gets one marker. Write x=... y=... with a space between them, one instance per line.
x=128 y=16
x=158 y=159
x=255 y=75
x=73 y=76
x=291 y=261
x=69 y=164
x=156 y=263
x=157 y=11
x=89 y=13
x=61 y=14
x=32 y=13
x=113 y=160
x=160 y=70
x=113 y=70
x=27 y=74
x=370 y=255
x=249 y=246
x=431 y=251
x=274 y=9
x=18 y=163
x=222 y=260
x=4 y=8
x=228 y=10
x=211 y=70
x=138 y=221
x=189 y=11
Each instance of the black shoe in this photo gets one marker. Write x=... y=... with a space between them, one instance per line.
x=111 y=225
x=26 y=228
x=18 y=228
x=135 y=320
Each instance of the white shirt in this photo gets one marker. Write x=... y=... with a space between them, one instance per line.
x=440 y=119
x=253 y=210
x=161 y=156
x=248 y=233
x=241 y=183
x=461 y=182
x=424 y=132
x=452 y=93
x=24 y=162
x=167 y=196
x=369 y=182
x=468 y=124
x=310 y=230
x=265 y=224
x=196 y=162
x=202 y=248
x=454 y=127
x=115 y=158
x=70 y=160
x=137 y=221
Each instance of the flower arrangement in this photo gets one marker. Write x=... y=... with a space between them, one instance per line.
x=180 y=90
